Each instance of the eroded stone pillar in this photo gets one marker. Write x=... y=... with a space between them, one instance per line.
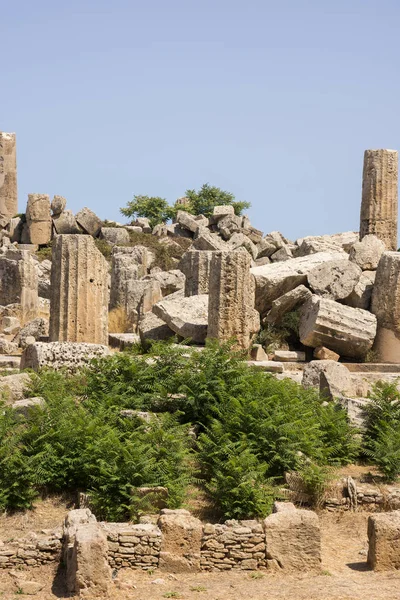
x=379 y=204
x=231 y=312
x=195 y=264
x=8 y=178
x=386 y=306
x=19 y=282
x=79 y=291
x=38 y=218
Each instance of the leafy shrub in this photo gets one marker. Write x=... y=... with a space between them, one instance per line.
x=204 y=201
x=154 y=208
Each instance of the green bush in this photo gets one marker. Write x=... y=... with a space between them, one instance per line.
x=209 y=196
x=154 y=208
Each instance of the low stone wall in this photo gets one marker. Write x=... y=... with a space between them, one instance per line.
x=233 y=545
x=133 y=546
x=32 y=551
x=369 y=497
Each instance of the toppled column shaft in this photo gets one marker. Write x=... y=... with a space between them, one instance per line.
x=386 y=306
x=8 y=178
x=79 y=291
x=231 y=312
x=380 y=196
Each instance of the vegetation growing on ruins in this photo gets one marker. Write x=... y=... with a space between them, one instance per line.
x=154 y=208
x=250 y=429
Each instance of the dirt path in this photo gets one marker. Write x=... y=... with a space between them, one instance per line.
x=344 y=576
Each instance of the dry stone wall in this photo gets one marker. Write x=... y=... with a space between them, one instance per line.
x=32 y=551
x=133 y=546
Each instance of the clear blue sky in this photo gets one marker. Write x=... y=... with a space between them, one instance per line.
x=274 y=101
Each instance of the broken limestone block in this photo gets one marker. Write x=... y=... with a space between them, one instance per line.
x=293 y=541
x=283 y=253
x=287 y=303
x=348 y=331
x=384 y=541
x=169 y=281
x=24 y=407
x=222 y=210
x=239 y=240
x=289 y=355
x=385 y=305
x=44 y=276
x=195 y=265
x=208 y=241
x=58 y=205
x=89 y=221
x=152 y=328
x=266 y=247
x=329 y=377
x=334 y=279
x=79 y=291
x=36 y=328
x=15 y=229
x=181 y=537
x=115 y=235
x=176 y=230
x=231 y=312
x=367 y=253
x=128 y=264
x=258 y=353
x=8 y=178
x=355 y=409
x=229 y=225
x=19 y=281
x=379 y=203
x=12 y=324
x=276 y=279
x=270 y=366
x=14 y=387
x=187 y=317
x=322 y=353
x=65 y=223
x=61 y=355
x=361 y=296
x=187 y=221
x=7 y=347
x=38 y=218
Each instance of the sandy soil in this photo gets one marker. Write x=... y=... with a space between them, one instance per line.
x=344 y=572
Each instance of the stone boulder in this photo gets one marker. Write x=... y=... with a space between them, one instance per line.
x=384 y=541
x=276 y=279
x=115 y=235
x=329 y=377
x=71 y=356
x=367 y=253
x=334 y=279
x=44 y=275
x=293 y=541
x=88 y=571
x=169 y=281
x=287 y=303
x=208 y=241
x=65 y=223
x=361 y=296
x=38 y=218
x=322 y=353
x=348 y=331
x=187 y=221
x=181 y=541
x=14 y=387
x=187 y=317
x=89 y=221
x=36 y=328
x=152 y=328
x=58 y=205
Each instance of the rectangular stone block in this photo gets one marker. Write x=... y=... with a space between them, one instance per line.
x=384 y=541
x=8 y=178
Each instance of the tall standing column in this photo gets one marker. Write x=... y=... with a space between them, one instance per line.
x=380 y=196
x=386 y=306
x=8 y=178
x=79 y=291
x=231 y=312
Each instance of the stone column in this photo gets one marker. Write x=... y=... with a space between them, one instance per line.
x=8 y=178
x=386 y=306
x=79 y=291
x=19 y=282
x=195 y=264
x=231 y=312
x=380 y=196
x=38 y=218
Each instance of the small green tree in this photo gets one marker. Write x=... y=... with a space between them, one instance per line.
x=154 y=208
x=203 y=201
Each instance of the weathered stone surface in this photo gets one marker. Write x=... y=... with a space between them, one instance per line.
x=8 y=178
x=222 y=210
x=258 y=353
x=345 y=330
x=289 y=355
x=270 y=366
x=208 y=241
x=36 y=328
x=329 y=378
x=276 y=279
x=361 y=296
x=287 y=303
x=169 y=281
x=188 y=317
x=44 y=273
x=7 y=347
x=38 y=218
x=355 y=410
x=115 y=235
x=282 y=254
x=385 y=305
x=240 y=240
x=293 y=540
x=58 y=205
x=335 y=279
x=79 y=291
x=89 y=221
x=19 y=281
x=228 y=225
x=24 y=407
x=379 y=204
x=384 y=541
x=61 y=355
x=326 y=243
x=231 y=312
x=13 y=387
x=152 y=328
x=65 y=223
x=187 y=221
x=182 y=534
x=322 y=353
x=10 y=325
x=88 y=571
x=15 y=228
x=195 y=265
x=367 y=253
